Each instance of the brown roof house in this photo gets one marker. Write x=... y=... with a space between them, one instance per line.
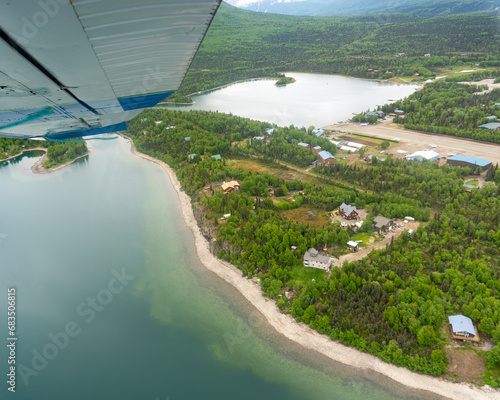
x=228 y=187
x=325 y=157
x=381 y=224
x=348 y=212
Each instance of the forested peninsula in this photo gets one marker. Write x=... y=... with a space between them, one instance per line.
x=394 y=302
x=57 y=153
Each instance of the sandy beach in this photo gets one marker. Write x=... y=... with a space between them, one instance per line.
x=301 y=333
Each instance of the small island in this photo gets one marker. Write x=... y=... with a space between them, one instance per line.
x=284 y=80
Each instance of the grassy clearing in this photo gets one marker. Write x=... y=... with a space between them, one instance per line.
x=307 y=274
x=367 y=238
x=300 y=215
x=285 y=174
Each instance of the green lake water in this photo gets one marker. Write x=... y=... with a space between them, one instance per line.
x=113 y=303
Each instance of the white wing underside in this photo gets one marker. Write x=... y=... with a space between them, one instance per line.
x=82 y=67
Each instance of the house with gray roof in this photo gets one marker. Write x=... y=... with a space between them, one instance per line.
x=348 y=212
x=381 y=224
x=313 y=259
x=490 y=125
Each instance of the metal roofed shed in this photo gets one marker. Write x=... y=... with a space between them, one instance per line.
x=469 y=161
x=353 y=245
x=354 y=144
x=326 y=157
x=349 y=148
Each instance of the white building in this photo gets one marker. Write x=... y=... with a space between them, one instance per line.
x=424 y=155
x=354 y=144
x=315 y=260
x=349 y=148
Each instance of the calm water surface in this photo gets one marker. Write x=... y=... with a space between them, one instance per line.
x=313 y=100
x=112 y=302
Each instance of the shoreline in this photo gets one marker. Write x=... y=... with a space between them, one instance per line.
x=300 y=333
x=216 y=88
x=37 y=167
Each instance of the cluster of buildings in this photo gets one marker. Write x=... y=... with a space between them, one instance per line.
x=457 y=160
x=324 y=157
x=380 y=114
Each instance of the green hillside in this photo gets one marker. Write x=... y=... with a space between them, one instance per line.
x=243 y=44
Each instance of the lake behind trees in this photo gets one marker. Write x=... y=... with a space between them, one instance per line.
x=313 y=100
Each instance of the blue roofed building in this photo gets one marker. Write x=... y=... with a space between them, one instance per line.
x=319 y=132
x=305 y=145
x=423 y=155
x=462 y=328
x=491 y=117
x=325 y=157
x=469 y=161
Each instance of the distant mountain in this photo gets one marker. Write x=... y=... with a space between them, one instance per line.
x=424 y=8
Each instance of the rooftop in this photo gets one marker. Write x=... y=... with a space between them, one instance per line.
x=325 y=155
x=460 y=323
x=313 y=255
x=470 y=159
x=381 y=221
x=347 y=208
x=427 y=154
x=490 y=125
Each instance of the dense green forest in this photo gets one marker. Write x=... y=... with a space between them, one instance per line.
x=447 y=107
x=393 y=303
x=243 y=44
x=57 y=153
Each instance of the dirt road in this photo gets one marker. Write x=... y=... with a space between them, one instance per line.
x=413 y=140
x=364 y=251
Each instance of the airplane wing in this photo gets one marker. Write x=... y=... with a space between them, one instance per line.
x=71 y=68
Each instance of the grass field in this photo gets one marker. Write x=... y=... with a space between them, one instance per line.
x=307 y=274
x=300 y=215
